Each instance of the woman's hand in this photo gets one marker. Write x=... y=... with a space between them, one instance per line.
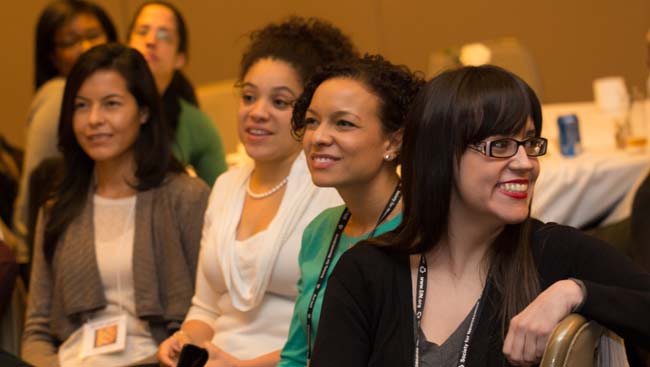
x=170 y=349
x=217 y=357
x=529 y=330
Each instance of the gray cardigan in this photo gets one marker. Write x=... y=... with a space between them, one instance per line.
x=168 y=224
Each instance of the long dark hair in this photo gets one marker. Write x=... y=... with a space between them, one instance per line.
x=394 y=85
x=179 y=86
x=452 y=111
x=152 y=149
x=53 y=17
x=304 y=43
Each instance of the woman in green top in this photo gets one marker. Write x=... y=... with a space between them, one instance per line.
x=158 y=31
x=350 y=120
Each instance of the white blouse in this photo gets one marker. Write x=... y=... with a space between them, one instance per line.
x=250 y=315
x=114 y=226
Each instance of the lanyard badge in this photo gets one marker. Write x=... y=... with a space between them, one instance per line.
x=336 y=238
x=104 y=335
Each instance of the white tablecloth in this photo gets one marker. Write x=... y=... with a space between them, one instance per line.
x=577 y=190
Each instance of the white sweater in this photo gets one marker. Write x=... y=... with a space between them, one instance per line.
x=246 y=289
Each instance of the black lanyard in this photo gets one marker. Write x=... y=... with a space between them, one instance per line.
x=336 y=238
x=419 y=309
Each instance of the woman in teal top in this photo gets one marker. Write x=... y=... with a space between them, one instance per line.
x=350 y=120
x=158 y=31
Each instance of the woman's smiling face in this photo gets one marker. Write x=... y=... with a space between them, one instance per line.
x=344 y=140
x=107 y=118
x=268 y=91
x=498 y=189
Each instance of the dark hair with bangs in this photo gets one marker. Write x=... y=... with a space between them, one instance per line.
x=394 y=85
x=53 y=17
x=453 y=110
x=304 y=43
x=151 y=150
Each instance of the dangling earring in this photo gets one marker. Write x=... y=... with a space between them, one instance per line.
x=388 y=157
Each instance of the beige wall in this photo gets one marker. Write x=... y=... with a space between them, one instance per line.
x=572 y=41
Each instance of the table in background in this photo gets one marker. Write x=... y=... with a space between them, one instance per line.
x=578 y=190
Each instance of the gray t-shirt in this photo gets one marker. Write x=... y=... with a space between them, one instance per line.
x=448 y=353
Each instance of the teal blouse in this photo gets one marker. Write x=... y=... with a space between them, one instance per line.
x=315 y=244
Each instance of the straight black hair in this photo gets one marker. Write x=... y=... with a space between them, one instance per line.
x=152 y=150
x=53 y=17
x=452 y=111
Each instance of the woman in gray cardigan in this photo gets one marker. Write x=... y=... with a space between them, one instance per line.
x=117 y=246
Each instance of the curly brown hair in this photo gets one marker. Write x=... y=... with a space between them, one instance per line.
x=304 y=43
x=394 y=85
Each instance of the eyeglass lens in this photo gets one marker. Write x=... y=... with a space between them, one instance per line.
x=504 y=148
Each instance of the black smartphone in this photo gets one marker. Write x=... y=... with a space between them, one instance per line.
x=192 y=356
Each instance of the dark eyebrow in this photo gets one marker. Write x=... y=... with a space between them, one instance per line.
x=531 y=132
x=309 y=110
x=274 y=89
x=341 y=113
x=112 y=95
x=284 y=89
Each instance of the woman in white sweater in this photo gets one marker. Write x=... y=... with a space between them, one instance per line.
x=248 y=266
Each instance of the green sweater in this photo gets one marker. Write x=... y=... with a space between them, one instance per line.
x=315 y=244
x=198 y=143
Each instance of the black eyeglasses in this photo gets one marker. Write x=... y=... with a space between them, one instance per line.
x=507 y=147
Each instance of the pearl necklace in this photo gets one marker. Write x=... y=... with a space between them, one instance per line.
x=264 y=194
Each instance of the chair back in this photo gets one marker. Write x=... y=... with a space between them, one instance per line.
x=577 y=342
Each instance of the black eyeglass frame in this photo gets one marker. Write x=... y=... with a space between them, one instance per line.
x=485 y=147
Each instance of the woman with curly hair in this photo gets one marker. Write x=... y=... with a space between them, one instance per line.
x=246 y=283
x=350 y=118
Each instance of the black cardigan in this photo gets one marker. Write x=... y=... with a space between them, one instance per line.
x=367 y=316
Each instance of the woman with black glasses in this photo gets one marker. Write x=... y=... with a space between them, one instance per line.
x=468 y=278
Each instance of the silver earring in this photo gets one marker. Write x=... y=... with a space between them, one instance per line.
x=388 y=157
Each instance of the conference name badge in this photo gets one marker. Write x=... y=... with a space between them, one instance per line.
x=104 y=335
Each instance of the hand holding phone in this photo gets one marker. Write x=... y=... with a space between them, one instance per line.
x=192 y=356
